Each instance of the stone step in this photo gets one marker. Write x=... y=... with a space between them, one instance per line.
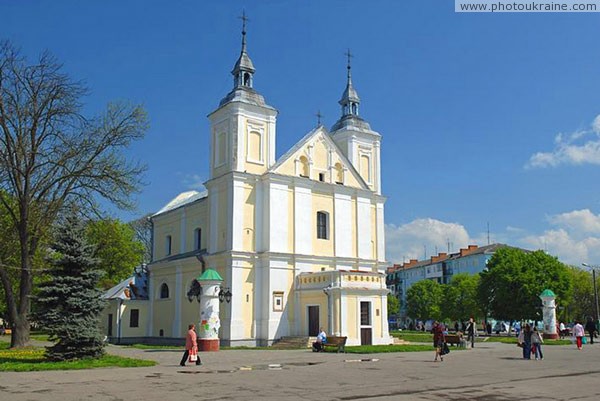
x=292 y=342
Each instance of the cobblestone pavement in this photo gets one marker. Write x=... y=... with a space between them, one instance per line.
x=491 y=372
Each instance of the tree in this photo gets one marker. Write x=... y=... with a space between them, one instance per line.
x=143 y=233
x=580 y=302
x=69 y=304
x=511 y=285
x=51 y=157
x=116 y=248
x=393 y=305
x=423 y=300
x=460 y=297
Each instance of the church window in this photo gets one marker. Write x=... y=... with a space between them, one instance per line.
x=168 y=245
x=247 y=79
x=354 y=109
x=322 y=177
x=304 y=169
x=197 y=239
x=164 y=291
x=255 y=146
x=365 y=313
x=134 y=318
x=365 y=167
x=322 y=225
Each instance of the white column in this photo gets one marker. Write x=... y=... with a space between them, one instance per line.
x=278 y=217
x=178 y=297
x=235 y=307
x=208 y=327
x=237 y=211
x=302 y=213
x=380 y=233
x=343 y=225
x=363 y=232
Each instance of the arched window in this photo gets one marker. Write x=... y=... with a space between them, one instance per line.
x=255 y=146
x=322 y=225
x=304 y=170
x=164 y=291
x=247 y=81
x=168 y=244
x=198 y=238
x=365 y=168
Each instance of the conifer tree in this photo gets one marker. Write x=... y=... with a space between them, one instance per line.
x=69 y=303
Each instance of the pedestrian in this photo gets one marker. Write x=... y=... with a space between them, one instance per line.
x=536 y=342
x=471 y=332
x=578 y=333
x=191 y=347
x=590 y=327
x=438 y=340
x=562 y=330
x=524 y=341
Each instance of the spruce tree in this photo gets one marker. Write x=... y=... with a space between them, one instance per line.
x=69 y=303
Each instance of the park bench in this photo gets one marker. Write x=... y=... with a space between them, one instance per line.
x=456 y=339
x=338 y=342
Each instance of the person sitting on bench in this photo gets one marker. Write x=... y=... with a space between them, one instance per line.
x=321 y=339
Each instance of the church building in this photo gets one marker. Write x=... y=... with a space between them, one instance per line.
x=298 y=241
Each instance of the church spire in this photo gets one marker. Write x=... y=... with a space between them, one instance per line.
x=350 y=99
x=243 y=70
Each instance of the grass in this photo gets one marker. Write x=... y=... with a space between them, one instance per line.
x=148 y=346
x=513 y=340
x=31 y=359
x=375 y=349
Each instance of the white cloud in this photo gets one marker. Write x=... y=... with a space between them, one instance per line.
x=193 y=181
x=407 y=241
x=581 y=221
x=580 y=147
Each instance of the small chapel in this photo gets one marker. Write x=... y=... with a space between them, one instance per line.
x=297 y=241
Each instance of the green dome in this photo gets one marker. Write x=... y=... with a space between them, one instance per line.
x=548 y=293
x=210 y=275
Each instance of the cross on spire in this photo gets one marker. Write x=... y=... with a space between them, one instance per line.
x=349 y=55
x=244 y=19
x=319 y=115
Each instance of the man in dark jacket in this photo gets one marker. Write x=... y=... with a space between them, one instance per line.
x=471 y=332
x=590 y=327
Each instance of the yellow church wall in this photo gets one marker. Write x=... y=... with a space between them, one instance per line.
x=143 y=315
x=323 y=202
x=313 y=299
x=222 y=219
x=196 y=217
x=249 y=234
x=247 y=303
x=164 y=226
x=351 y=321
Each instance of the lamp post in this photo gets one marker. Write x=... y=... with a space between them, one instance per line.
x=593 y=268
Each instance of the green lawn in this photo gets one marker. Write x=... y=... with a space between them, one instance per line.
x=374 y=349
x=31 y=359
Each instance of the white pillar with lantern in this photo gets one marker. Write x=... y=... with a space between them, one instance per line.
x=211 y=292
x=549 y=313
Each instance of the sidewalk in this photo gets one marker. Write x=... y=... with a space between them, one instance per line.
x=490 y=371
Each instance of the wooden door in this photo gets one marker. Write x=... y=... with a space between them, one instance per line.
x=313 y=321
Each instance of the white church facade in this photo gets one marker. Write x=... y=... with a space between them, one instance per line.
x=298 y=241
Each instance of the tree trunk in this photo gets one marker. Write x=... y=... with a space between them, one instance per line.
x=20 y=331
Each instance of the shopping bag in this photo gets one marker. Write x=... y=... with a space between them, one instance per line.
x=584 y=340
x=193 y=355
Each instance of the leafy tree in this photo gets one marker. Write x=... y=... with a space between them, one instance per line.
x=69 y=304
x=393 y=305
x=52 y=157
x=424 y=299
x=511 y=285
x=581 y=299
x=116 y=248
x=460 y=297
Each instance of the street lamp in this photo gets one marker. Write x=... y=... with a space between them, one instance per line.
x=594 y=267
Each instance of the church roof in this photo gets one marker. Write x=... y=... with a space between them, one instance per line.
x=320 y=130
x=182 y=199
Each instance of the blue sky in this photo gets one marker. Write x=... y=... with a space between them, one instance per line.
x=485 y=118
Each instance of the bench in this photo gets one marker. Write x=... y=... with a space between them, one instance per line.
x=456 y=339
x=338 y=342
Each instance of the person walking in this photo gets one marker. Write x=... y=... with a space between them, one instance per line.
x=536 y=342
x=191 y=346
x=578 y=333
x=471 y=332
x=438 y=340
x=590 y=327
x=524 y=341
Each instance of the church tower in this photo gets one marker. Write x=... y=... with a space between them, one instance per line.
x=354 y=136
x=243 y=126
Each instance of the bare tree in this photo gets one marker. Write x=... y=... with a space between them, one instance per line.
x=52 y=157
x=143 y=233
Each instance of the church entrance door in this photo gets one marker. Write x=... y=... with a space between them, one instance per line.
x=313 y=321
